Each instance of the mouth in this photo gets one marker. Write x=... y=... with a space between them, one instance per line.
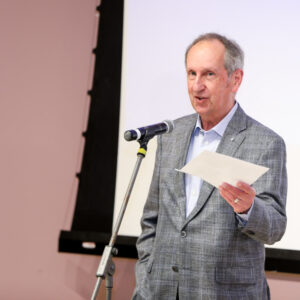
x=200 y=98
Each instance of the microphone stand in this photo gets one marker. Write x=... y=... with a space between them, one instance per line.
x=106 y=268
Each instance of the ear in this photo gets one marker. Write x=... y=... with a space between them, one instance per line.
x=236 y=79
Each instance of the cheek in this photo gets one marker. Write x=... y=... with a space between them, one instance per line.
x=190 y=87
x=211 y=88
x=217 y=89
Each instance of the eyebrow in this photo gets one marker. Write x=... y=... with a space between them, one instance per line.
x=205 y=70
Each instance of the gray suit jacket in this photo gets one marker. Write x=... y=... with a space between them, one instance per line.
x=209 y=255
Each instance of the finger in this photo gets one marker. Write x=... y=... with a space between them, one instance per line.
x=248 y=189
x=234 y=191
x=228 y=196
x=243 y=191
x=238 y=204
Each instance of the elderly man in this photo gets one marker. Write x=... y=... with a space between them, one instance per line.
x=197 y=241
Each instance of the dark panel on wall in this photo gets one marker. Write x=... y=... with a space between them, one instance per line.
x=95 y=199
x=96 y=189
x=279 y=260
x=73 y=241
x=282 y=260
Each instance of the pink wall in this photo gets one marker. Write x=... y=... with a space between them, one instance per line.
x=46 y=68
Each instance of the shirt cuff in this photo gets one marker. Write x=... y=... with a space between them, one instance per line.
x=243 y=218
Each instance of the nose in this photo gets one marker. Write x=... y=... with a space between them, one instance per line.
x=198 y=84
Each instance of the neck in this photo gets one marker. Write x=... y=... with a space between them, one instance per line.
x=208 y=122
x=207 y=125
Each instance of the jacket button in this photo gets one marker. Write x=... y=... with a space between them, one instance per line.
x=183 y=233
x=175 y=269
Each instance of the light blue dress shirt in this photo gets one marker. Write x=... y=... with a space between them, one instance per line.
x=205 y=140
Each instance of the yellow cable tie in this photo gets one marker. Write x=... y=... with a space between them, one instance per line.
x=142 y=151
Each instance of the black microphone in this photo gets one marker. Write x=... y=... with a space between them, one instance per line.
x=149 y=131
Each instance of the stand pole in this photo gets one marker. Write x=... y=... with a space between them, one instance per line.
x=106 y=266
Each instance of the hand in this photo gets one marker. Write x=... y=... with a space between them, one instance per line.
x=240 y=197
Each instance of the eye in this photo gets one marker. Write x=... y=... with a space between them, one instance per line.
x=191 y=74
x=210 y=75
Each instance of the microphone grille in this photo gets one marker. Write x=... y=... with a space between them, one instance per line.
x=127 y=135
x=170 y=125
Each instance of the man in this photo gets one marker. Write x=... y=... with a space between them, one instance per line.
x=197 y=241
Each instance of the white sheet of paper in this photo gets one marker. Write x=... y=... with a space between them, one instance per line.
x=216 y=168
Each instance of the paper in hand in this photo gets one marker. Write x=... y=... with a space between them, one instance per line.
x=216 y=168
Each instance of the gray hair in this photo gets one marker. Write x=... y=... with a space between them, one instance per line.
x=234 y=55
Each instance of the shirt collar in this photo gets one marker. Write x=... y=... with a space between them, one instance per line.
x=221 y=126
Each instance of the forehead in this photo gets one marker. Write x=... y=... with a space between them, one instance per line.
x=206 y=54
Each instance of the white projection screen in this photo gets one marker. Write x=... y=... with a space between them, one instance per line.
x=156 y=34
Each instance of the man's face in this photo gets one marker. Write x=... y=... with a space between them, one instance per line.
x=210 y=89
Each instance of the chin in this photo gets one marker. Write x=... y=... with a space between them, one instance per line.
x=201 y=110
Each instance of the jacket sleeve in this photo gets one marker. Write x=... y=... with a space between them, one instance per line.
x=267 y=221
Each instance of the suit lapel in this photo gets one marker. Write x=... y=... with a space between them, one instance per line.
x=182 y=142
x=234 y=134
x=232 y=139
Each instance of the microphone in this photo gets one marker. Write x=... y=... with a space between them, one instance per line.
x=149 y=131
